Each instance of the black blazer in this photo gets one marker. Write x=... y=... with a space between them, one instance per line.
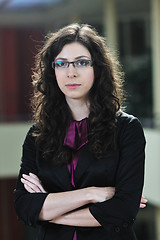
x=123 y=169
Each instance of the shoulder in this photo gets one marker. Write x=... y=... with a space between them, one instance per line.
x=30 y=138
x=129 y=126
x=124 y=119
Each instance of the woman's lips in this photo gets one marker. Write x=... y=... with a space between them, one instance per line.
x=73 y=85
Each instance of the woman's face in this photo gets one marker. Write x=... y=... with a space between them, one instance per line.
x=74 y=81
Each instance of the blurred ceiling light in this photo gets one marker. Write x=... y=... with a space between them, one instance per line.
x=23 y=4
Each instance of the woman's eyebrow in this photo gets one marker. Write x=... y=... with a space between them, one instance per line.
x=82 y=57
x=58 y=59
x=66 y=59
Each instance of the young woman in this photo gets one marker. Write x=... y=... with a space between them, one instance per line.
x=82 y=167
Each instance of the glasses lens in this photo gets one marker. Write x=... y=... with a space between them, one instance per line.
x=83 y=63
x=61 y=64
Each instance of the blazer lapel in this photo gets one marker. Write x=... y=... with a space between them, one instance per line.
x=59 y=174
x=63 y=178
x=85 y=159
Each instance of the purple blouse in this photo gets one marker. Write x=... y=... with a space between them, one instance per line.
x=76 y=137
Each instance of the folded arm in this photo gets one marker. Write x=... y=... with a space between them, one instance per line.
x=62 y=215
x=79 y=218
x=54 y=205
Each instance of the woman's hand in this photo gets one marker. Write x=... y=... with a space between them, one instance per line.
x=143 y=202
x=32 y=183
x=101 y=194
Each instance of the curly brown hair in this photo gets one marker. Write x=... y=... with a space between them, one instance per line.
x=50 y=110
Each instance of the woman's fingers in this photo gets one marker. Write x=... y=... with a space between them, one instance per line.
x=33 y=183
x=31 y=179
x=29 y=189
x=34 y=176
x=39 y=182
x=33 y=187
x=143 y=202
x=142 y=205
x=143 y=199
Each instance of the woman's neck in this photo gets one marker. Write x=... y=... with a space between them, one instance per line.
x=79 y=108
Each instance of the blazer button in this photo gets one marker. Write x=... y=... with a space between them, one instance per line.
x=125 y=225
x=117 y=229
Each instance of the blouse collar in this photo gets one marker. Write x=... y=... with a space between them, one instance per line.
x=77 y=134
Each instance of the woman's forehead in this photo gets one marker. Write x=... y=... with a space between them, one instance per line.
x=73 y=50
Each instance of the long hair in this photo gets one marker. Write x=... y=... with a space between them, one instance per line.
x=50 y=110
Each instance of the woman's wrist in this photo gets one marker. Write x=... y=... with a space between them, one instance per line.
x=100 y=194
x=90 y=194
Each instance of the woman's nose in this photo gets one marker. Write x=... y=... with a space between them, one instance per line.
x=71 y=71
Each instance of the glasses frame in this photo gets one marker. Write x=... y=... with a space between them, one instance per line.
x=73 y=63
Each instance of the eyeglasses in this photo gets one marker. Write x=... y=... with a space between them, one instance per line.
x=82 y=63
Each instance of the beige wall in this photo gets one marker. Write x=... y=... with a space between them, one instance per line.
x=11 y=140
x=152 y=168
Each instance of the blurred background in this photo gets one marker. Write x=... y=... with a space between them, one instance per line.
x=132 y=29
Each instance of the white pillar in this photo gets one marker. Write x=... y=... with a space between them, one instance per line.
x=110 y=23
x=1 y=85
x=155 y=38
x=158 y=223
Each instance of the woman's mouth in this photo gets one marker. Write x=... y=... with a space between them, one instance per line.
x=73 y=85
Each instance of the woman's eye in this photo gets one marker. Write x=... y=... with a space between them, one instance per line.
x=83 y=63
x=60 y=64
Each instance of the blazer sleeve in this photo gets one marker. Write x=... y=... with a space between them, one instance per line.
x=28 y=205
x=120 y=212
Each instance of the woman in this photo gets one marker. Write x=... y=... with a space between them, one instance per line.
x=82 y=167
